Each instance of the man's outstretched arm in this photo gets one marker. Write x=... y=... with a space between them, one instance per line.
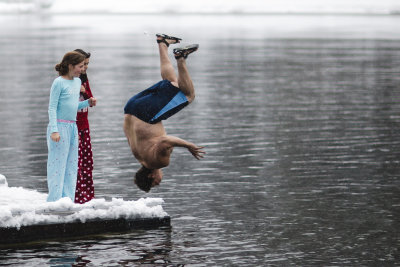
x=170 y=142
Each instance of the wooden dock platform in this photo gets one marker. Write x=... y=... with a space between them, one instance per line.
x=39 y=232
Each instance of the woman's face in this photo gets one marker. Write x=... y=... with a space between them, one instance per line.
x=76 y=70
x=85 y=65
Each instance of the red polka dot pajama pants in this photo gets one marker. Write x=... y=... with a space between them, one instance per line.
x=84 y=184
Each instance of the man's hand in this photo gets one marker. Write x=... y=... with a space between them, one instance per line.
x=83 y=89
x=169 y=142
x=55 y=136
x=196 y=151
x=92 y=101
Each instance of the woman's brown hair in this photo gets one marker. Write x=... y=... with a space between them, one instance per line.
x=73 y=58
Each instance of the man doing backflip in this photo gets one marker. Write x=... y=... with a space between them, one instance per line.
x=144 y=113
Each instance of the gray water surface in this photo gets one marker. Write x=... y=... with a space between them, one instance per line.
x=300 y=117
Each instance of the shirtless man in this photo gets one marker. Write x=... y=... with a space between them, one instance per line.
x=146 y=135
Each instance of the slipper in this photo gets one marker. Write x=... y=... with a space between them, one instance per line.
x=167 y=37
x=185 y=51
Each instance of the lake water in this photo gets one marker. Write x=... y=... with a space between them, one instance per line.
x=300 y=116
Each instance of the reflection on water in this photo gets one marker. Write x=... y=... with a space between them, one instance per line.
x=301 y=129
x=103 y=250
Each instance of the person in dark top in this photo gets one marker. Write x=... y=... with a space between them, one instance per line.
x=84 y=184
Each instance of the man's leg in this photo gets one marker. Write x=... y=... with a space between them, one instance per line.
x=185 y=83
x=167 y=70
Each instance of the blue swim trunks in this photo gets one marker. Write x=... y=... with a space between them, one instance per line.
x=157 y=103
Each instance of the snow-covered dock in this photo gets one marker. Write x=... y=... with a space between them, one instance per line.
x=25 y=216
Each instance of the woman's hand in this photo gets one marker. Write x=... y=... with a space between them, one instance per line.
x=83 y=89
x=55 y=136
x=92 y=101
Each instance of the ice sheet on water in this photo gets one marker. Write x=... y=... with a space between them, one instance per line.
x=205 y=6
x=21 y=207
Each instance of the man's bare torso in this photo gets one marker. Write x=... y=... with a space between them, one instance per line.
x=146 y=142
